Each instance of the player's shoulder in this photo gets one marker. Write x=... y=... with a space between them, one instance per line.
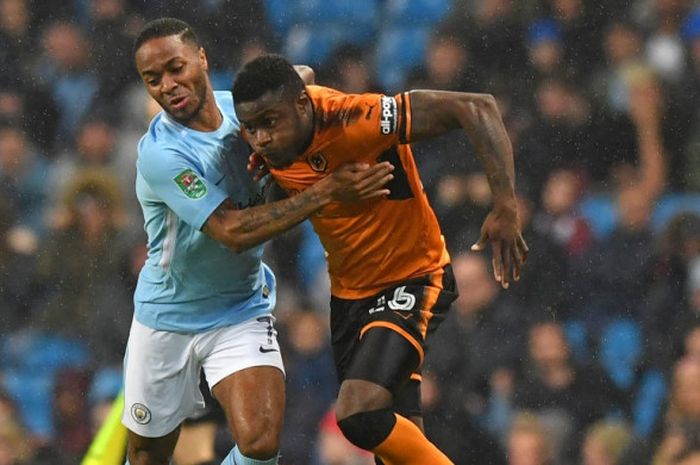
x=161 y=140
x=224 y=99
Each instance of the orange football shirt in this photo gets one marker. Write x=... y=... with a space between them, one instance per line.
x=372 y=244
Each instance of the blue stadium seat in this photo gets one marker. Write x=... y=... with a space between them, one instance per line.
x=620 y=350
x=399 y=49
x=281 y=15
x=649 y=402
x=671 y=205
x=32 y=392
x=601 y=214
x=577 y=336
x=416 y=12
x=312 y=45
x=354 y=13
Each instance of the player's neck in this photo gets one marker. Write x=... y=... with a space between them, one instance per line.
x=209 y=117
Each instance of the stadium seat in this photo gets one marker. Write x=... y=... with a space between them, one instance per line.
x=671 y=205
x=577 y=337
x=340 y=12
x=601 y=214
x=399 y=49
x=620 y=351
x=416 y=12
x=313 y=44
x=32 y=391
x=281 y=15
x=649 y=402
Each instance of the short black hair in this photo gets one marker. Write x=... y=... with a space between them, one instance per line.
x=263 y=74
x=164 y=27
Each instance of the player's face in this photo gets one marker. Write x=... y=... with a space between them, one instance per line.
x=175 y=75
x=277 y=126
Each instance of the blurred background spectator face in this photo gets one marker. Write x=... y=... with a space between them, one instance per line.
x=95 y=142
x=106 y=10
x=13 y=151
x=691 y=344
x=561 y=193
x=605 y=443
x=66 y=46
x=491 y=10
x=567 y=10
x=685 y=396
x=14 y=17
x=623 y=43
x=528 y=442
x=544 y=46
x=548 y=346
x=445 y=61
x=307 y=333
x=477 y=288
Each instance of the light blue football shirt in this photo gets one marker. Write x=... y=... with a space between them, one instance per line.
x=191 y=282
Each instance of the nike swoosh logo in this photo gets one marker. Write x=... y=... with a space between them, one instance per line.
x=265 y=350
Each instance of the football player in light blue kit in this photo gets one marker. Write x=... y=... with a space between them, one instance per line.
x=204 y=298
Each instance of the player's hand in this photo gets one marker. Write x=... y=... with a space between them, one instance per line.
x=502 y=229
x=257 y=166
x=359 y=181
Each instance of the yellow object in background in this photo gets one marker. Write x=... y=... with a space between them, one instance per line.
x=109 y=445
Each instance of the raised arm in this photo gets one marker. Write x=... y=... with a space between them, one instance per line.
x=241 y=229
x=437 y=112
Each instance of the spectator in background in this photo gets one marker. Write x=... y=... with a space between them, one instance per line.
x=669 y=310
x=64 y=69
x=17 y=44
x=545 y=50
x=83 y=269
x=479 y=337
x=530 y=442
x=448 y=65
x=16 y=274
x=605 y=443
x=23 y=174
x=679 y=428
x=580 y=23
x=71 y=416
x=665 y=51
x=110 y=59
x=349 y=70
x=311 y=383
x=564 y=395
x=492 y=29
x=97 y=146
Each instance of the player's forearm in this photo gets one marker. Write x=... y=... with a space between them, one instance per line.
x=242 y=229
x=437 y=112
x=481 y=120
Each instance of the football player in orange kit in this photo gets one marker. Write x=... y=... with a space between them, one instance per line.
x=391 y=282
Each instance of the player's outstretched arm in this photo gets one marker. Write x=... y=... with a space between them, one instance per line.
x=437 y=112
x=241 y=229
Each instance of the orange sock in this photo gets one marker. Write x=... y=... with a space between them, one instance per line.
x=407 y=445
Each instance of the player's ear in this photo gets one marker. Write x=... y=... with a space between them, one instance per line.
x=302 y=101
x=203 y=59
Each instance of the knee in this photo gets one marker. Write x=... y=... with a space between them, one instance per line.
x=358 y=396
x=367 y=430
x=259 y=445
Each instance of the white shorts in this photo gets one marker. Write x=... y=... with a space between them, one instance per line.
x=162 y=369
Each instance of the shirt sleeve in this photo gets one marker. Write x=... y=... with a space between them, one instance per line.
x=181 y=185
x=383 y=120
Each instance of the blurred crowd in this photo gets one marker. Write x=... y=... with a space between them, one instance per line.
x=593 y=358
